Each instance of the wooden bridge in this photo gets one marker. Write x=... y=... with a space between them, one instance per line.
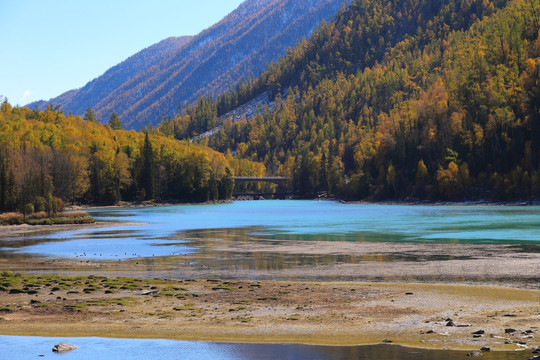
x=268 y=179
x=279 y=180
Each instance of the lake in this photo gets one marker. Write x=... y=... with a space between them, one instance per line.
x=29 y=347
x=182 y=230
x=286 y=239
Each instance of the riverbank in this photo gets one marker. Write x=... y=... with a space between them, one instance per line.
x=331 y=313
x=42 y=218
x=27 y=230
x=140 y=204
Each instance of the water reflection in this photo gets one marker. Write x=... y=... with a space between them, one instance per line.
x=203 y=230
x=25 y=347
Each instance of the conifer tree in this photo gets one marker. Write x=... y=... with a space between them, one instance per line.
x=90 y=115
x=148 y=180
x=115 y=123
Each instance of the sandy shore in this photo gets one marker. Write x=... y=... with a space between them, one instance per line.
x=25 y=230
x=275 y=311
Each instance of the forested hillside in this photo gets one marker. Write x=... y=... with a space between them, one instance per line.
x=47 y=157
x=240 y=45
x=399 y=99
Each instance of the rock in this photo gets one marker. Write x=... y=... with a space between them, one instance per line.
x=63 y=347
x=477 y=336
x=149 y=292
x=537 y=350
x=450 y=323
x=479 y=332
x=535 y=357
x=510 y=315
x=430 y=332
x=387 y=341
x=475 y=353
x=485 y=349
x=509 y=331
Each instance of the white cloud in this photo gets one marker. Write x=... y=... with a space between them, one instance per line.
x=26 y=94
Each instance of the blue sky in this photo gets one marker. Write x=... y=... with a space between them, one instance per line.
x=50 y=46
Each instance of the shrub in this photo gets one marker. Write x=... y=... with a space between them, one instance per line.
x=28 y=209
x=40 y=204
x=11 y=218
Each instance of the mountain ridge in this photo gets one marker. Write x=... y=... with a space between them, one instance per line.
x=256 y=33
x=115 y=74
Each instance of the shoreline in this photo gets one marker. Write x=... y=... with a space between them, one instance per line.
x=404 y=292
x=359 y=313
x=139 y=204
x=20 y=230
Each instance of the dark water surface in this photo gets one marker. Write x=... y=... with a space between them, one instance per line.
x=92 y=348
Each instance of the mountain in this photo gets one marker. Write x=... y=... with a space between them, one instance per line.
x=152 y=84
x=78 y=100
x=396 y=99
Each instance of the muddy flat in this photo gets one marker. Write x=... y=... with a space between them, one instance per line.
x=271 y=311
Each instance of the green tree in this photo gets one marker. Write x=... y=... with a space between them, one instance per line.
x=148 y=177
x=115 y=123
x=90 y=115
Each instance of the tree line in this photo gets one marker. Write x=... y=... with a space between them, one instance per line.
x=48 y=158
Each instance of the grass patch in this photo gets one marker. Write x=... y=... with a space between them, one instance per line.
x=124 y=301
x=243 y=319
x=224 y=287
x=173 y=288
x=130 y=286
x=188 y=306
x=294 y=317
x=17 y=291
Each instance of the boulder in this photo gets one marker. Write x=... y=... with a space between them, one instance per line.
x=475 y=353
x=63 y=347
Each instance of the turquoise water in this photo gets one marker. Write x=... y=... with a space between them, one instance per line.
x=29 y=347
x=189 y=230
x=181 y=230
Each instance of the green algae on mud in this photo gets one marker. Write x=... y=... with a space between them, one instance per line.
x=331 y=313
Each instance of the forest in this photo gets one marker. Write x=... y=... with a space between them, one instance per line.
x=407 y=100
x=400 y=99
x=49 y=159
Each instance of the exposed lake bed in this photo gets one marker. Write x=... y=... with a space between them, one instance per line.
x=331 y=313
x=342 y=279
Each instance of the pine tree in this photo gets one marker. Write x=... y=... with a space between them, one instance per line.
x=148 y=180
x=90 y=115
x=115 y=123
